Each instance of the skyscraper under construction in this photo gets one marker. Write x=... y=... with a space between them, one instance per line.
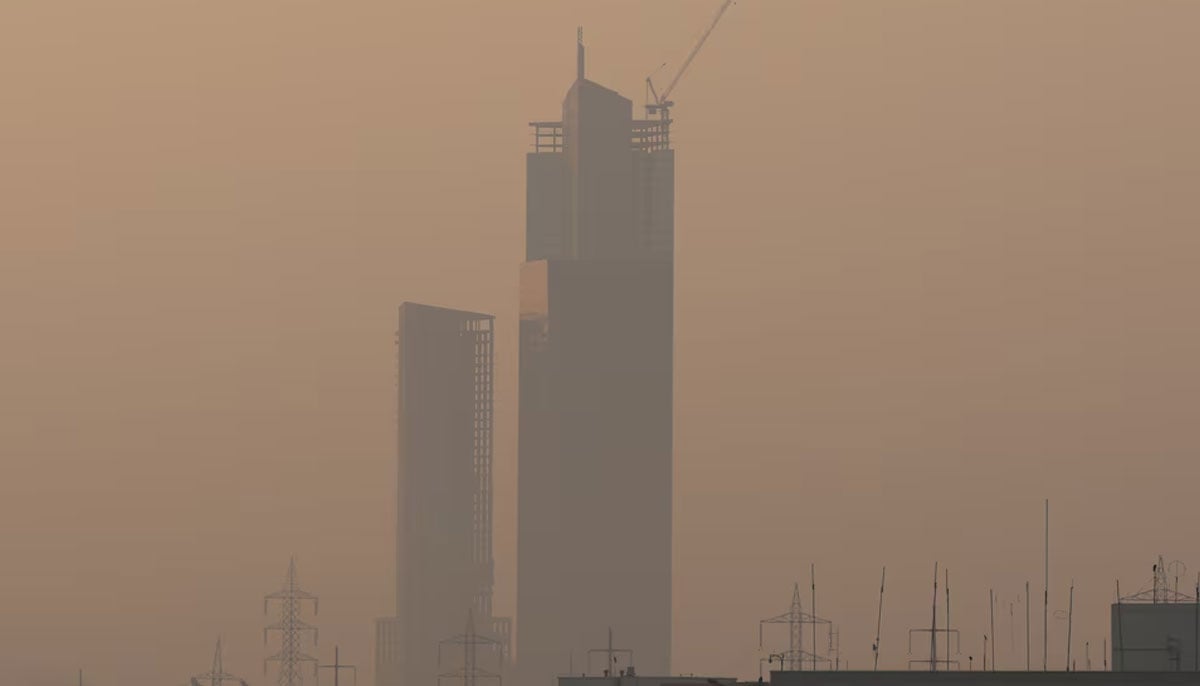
x=444 y=567
x=596 y=369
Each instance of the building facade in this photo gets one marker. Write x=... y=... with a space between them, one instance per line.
x=1156 y=637
x=596 y=399
x=444 y=567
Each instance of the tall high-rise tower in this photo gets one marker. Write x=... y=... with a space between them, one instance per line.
x=444 y=567
x=596 y=369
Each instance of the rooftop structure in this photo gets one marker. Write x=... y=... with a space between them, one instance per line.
x=1157 y=629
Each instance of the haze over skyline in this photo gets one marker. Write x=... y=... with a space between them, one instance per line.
x=935 y=262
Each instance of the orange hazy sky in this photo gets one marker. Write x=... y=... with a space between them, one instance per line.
x=937 y=261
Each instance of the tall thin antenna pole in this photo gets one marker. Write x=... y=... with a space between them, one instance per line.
x=1070 y=620
x=611 y=659
x=1120 y=640
x=1027 y=666
x=933 y=629
x=579 y=69
x=1012 y=631
x=879 y=620
x=992 y=610
x=949 y=652
x=338 y=667
x=1046 y=595
x=812 y=575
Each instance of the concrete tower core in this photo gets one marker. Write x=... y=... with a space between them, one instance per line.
x=444 y=566
x=596 y=373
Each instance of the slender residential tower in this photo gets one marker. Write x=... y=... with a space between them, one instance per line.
x=596 y=368
x=444 y=567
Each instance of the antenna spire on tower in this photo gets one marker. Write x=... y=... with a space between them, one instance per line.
x=579 y=54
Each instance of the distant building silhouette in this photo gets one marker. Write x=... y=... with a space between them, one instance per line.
x=596 y=369
x=444 y=567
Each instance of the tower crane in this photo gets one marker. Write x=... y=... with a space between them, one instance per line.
x=659 y=103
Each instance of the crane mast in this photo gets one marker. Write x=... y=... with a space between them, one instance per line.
x=661 y=102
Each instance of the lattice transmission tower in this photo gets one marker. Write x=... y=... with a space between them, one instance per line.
x=292 y=629
x=217 y=676
x=796 y=618
x=470 y=674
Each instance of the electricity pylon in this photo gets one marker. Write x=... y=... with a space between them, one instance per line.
x=217 y=675
x=292 y=629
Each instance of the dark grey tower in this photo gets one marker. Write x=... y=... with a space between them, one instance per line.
x=444 y=562
x=595 y=436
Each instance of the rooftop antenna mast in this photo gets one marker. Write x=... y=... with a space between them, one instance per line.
x=879 y=620
x=1070 y=620
x=213 y=677
x=934 y=661
x=1027 y=637
x=338 y=667
x=1120 y=637
x=948 y=625
x=611 y=655
x=291 y=628
x=1012 y=632
x=835 y=647
x=1046 y=595
x=992 y=630
x=812 y=576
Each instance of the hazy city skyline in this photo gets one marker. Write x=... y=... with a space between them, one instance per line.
x=935 y=263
